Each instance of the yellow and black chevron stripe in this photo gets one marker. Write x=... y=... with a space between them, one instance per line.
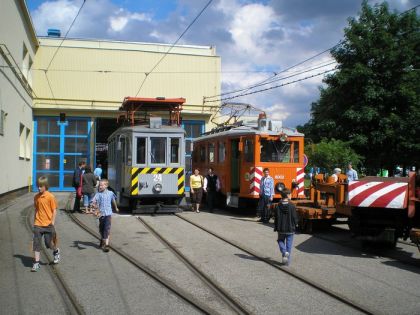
x=135 y=171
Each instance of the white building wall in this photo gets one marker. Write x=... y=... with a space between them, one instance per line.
x=17 y=49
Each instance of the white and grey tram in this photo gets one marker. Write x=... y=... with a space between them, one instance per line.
x=146 y=166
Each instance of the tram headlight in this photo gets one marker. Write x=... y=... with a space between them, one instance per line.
x=280 y=187
x=157 y=188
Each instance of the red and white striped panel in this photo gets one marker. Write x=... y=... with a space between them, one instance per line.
x=255 y=175
x=300 y=176
x=378 y=194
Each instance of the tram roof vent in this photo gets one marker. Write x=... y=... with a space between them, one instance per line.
x=263 y=124
x=275 y=125
x=155 y=122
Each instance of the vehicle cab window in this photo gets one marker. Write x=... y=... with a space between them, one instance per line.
x=141 y=151
x=158 y=150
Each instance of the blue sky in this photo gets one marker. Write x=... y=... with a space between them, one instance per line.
x=253 y=38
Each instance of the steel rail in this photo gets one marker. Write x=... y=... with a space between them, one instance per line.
x=335 y=295
x=233 y=303
x=189 y=298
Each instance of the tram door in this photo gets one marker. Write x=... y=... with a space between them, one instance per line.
x=120 y=164
x=234 y=166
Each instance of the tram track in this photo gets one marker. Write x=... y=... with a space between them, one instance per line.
x=187 y=297
x=225 y=296
x=335 y=295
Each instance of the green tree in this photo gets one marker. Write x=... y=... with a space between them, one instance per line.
x=332 y=154
x=372 y=100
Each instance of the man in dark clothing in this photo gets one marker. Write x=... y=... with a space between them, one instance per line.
x=285 y=223
x=77 y=182
x=211 y=186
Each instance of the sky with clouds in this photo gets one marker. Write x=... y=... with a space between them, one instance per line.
x=256 y=40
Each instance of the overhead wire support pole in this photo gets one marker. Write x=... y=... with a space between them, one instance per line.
x=172 y=46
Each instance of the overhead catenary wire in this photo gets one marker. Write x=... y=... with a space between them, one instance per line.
x=276 y=80
x=271 y=87
x=170 y=48
x=65 y=36
x=291 y=67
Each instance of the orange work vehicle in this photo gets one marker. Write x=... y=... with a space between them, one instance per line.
x=378 y=208
x=238 y=154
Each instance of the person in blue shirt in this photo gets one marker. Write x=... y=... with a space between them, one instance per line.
x=104 y=200
x=98 y=171
x=351 y=173
x=266 y=196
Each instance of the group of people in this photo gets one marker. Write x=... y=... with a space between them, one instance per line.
x=46 y=210
x=85 y=183
x=209 y=184
x=351 y=174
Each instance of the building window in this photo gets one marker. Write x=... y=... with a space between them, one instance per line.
x=211 y=152
x=222 y=152
x=28 y=144
x=22 y=138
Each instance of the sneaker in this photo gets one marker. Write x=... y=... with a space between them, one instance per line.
x=106 y=248
x=285 y=258
x=198 y=211
x=35 y=267
x=56 y=254
x=101 y=244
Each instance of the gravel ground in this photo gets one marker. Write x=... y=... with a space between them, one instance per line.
x=382 y=284
x=263 y=289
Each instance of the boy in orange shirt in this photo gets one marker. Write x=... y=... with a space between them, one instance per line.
x=44 y=219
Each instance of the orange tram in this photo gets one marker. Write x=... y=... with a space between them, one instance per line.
x=238 y=154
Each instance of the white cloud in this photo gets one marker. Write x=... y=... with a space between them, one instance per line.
x=277 y=112
x=58 y=14
x=119 y=21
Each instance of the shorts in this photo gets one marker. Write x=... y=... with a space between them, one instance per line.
x=197 y=195
x=49 y=235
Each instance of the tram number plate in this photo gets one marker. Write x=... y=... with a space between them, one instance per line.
x=157 y=177
x=279 y=176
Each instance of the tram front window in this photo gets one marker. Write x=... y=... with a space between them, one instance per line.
x=141 y=151
x=275 y=151
x=174 y=150
x=157 y=150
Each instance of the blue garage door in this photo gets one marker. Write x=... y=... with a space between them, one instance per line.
x=58 y=148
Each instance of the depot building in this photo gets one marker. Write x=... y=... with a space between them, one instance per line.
x=59 y=99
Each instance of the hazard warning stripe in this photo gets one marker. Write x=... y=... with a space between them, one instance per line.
x=181 y=181
x=255 y=180
x=300 y=178
x=135 y=172
x=378 y=194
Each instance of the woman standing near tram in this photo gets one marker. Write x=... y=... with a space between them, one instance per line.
x=196 y=184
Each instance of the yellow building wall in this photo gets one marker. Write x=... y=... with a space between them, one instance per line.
x=96 y=76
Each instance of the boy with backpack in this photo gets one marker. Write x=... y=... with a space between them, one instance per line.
x=285 y=223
